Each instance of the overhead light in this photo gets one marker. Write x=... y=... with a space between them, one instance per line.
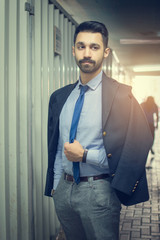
x=139 y=41
x=146 y=68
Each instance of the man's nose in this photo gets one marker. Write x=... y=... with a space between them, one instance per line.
x=87 y=52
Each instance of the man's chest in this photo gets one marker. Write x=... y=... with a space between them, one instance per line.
x=90 y=121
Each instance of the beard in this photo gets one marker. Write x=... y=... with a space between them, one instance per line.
x=87 y=65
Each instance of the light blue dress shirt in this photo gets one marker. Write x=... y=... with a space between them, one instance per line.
x=89 y=132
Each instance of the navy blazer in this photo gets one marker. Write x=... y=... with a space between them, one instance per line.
x=126 y=136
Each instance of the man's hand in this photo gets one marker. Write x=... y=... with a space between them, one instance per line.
x=73 y=151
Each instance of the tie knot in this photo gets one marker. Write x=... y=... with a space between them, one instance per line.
x=84 y=89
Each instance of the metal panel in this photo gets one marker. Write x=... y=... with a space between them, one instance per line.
x=70 y=40
x=62 y=71
x=57 y=57
x=3 y=220
x=73 y=62
x=13 y=144
x=44 y=100
x=37 y=121
x=24 y=206
x=51 y=83
x=66 y=52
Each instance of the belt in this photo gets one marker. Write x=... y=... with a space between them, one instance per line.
x=85 y=179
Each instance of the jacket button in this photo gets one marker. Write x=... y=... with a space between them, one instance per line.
x=104 y=133
x=109 y=155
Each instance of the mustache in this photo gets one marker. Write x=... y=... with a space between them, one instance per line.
x=86 y=60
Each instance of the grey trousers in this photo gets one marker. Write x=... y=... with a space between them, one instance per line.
x=89 y=210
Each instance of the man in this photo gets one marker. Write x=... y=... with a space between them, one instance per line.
x=150 y=108
x=101 y=164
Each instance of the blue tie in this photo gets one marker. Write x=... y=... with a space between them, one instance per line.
x=73 y=130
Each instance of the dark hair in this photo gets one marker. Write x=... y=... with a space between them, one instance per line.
x=93 y=27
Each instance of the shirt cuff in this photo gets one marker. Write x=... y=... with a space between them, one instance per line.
x=97 y=157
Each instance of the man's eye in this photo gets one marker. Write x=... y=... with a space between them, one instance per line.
x=80 y=47
x=95 y=47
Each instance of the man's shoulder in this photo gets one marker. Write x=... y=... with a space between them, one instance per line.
x=63 y=90
x=121 y=86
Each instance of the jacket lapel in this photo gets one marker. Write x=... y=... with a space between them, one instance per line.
x=63 y=95
x=109 y=89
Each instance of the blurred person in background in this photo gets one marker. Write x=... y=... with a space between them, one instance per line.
x=150 y=108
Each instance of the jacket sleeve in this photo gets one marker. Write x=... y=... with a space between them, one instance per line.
x=131 y=165
x=53 y=134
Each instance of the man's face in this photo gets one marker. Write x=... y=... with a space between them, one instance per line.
x=89 y=52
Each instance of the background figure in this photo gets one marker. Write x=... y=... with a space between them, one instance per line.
x=150 y=107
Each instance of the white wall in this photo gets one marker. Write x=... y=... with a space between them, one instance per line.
x=29 y=73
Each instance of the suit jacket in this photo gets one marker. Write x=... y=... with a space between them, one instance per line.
x=126 y=136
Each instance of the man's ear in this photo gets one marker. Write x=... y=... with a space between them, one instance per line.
x=73 y=51
x=106 y=52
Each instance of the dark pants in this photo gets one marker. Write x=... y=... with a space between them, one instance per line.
x=89 y=210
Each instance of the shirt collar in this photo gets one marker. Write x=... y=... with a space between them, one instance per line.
x=94 y=82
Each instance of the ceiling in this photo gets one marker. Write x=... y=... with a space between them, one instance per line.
x=134 y=28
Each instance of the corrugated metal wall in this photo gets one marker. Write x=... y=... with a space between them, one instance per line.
x=29 y=73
